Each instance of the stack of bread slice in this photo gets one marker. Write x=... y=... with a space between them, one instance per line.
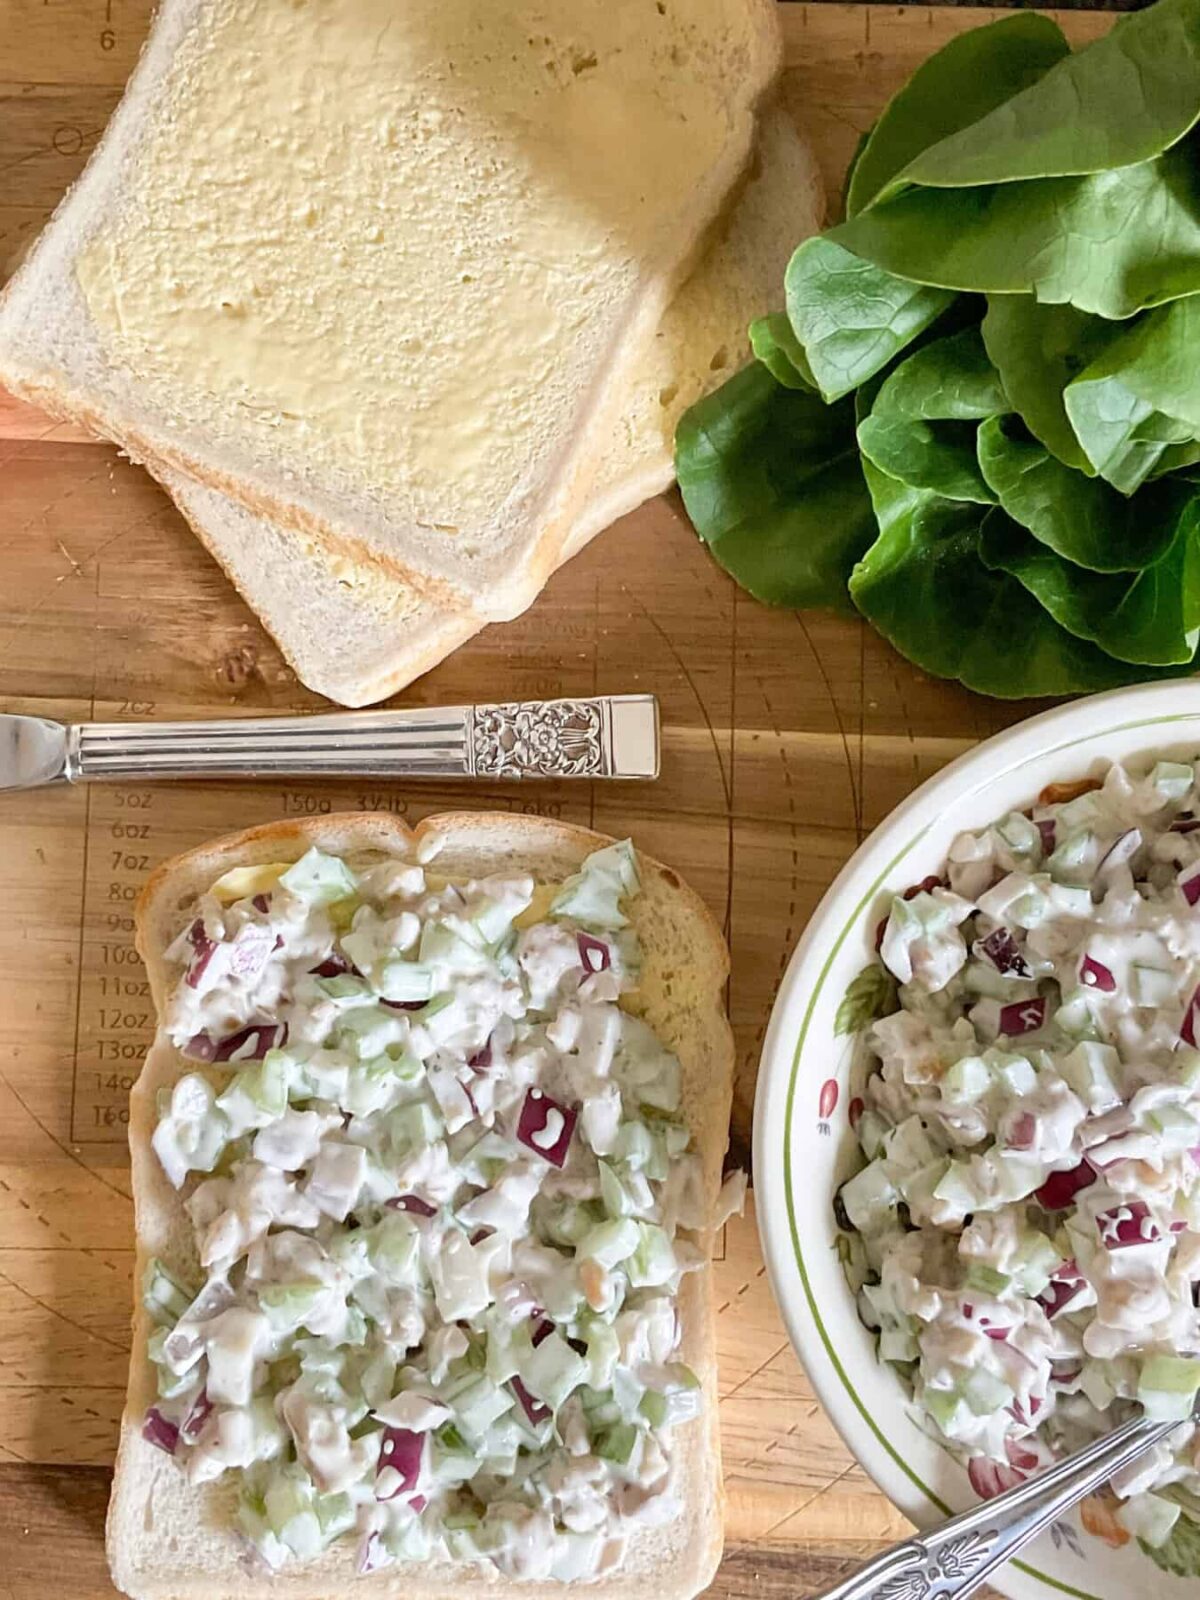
x=402 y=302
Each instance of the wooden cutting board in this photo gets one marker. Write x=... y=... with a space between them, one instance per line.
x=786 y=738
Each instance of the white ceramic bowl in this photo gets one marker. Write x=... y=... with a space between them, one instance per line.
x=804 y=1147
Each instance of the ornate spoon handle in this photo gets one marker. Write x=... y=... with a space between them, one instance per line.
x=955 y=1558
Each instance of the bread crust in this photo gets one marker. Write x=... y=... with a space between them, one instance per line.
x=167 y=1541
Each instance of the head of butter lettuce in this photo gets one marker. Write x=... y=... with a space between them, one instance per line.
x=977 y=421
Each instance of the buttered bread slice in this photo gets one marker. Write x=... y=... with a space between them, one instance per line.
x=358 y=635
x=369 y=267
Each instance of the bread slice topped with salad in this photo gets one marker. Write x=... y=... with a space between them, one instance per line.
x=427 y=1157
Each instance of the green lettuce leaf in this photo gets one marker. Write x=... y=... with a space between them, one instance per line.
x=1037 y=350
x=967 y=78
x=772 y=481
x=1081 y=519
x=924 y=585
x=1138 y=400
x=850 y=318
x=921 y=428
x=1149 y=617
x=1125 y=99
x=1111 y=243
x=779 y=350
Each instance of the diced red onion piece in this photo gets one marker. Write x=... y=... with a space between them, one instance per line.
x=404 y=1005
x=545 y=1126
x=1066 y=1283
x=999 y=1334
x=1048 y=829
x=1060 y=1188
x=480 y=1235
x=204 y=949
x=414 y=1204
x=261 y=902
x=1022 y=1016
x=1190 y=887
x=1022 y=1132
x=1020 y=1456
x=1094 y=974
x=248 y=1044
x=542 y=1330
x=333 y=966
x=251 y=950
x=594 y=954
x=160 y=1431
x=403 y=1450
x=990 y=1478
x=1001 y=950
x=579 y=1346
x=201 y=1047
x=481 y=1061
x=1127 y=1224
x=533 y=1409
x=1184 y=825
x=1187 y=1029
x=202 y=1408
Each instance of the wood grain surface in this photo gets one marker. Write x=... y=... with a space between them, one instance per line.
x=786 y=738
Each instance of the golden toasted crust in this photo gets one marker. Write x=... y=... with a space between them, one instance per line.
x=168 y=1540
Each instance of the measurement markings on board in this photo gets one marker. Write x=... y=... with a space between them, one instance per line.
x=116 y=1014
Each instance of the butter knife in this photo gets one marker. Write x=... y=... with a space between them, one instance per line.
x=607 y=736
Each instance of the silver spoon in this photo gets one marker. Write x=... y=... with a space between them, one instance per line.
x=955 y=1558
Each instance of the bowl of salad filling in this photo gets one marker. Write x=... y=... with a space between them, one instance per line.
x=977 y=1147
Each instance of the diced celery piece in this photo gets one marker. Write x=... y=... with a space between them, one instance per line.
x=1020 y=834
x=966 y=1080
x=1167 y=1387
x=652 y=1265
x=1152 y=986
x=985 y=1279
x=1092 y=1070
x=1172 y=779
x=345 y=988
x=617 y=1443
x=319 y=879
x=946 y=1407
x=287 y=1304
x=873 y=1129
x=956 y=1187
x=610 y=1243
x=163 y=1296
x=984 y=1392
x=1016 y=1073
x=405 y=981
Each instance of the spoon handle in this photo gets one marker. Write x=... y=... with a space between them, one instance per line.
x=957 y=1556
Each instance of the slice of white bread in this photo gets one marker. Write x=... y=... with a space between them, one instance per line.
x=373 y=268
x=167 y=1539
x=357 y=635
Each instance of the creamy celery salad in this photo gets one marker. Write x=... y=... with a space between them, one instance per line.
x=1025 y=1233
x=440 y=1189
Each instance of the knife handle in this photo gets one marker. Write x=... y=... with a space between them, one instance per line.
x=607 y=736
